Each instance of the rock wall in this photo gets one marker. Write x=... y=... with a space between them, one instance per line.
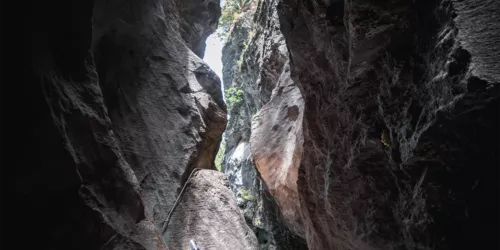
x=207 y=213
x=277 y=147
x=117 y=110
x=400 y=124
x=254 y=58
x=386 y=113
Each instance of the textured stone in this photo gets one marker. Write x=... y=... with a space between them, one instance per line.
x=119 y=111
x=400 y=122
x=158 y=98
x=277 y=147
x=207 y=213
x=114 y=109
x=198 y=20
x=254 y=57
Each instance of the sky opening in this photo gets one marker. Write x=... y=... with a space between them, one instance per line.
x=213 y=53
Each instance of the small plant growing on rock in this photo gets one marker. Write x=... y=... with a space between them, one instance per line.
x=384 y=138
x=230 y=13
x=233 y=96
x=257 y=222
x=220 y=155
x=246 y=195
x=240 y=61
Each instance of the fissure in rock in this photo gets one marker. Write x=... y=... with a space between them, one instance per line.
x=344 y=125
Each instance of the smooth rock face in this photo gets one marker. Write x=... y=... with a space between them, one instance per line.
x=207 y=213
x=119 y=111
x=400 y=123
x=254 y=58
x=277 y=147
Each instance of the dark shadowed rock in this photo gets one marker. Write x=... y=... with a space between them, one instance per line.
x=400 y=122
x=382 y=133
x=118 y=112
x=160 y=98
x=198 y=20
x=207 y=213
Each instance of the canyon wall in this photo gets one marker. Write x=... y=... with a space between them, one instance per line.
x=254 y=64
x=356 y=125
x=401 y=122
x=117 y=109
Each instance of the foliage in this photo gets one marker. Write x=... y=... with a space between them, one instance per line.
x=220 y=155
x=257 y=222
x=240 y=59
x=230 y=11
x=233 y=96
x=384 y=138
x=246 y=195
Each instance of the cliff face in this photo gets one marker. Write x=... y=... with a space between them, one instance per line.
x=359 y=125
x=400 y=124
x=277 y=147
x=119 y=111
x=254 y=59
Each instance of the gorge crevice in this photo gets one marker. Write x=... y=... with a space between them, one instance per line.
x=347 y=125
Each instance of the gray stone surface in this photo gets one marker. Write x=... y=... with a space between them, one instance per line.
x=124 y=110
x=400 y=122
x=253 y=61
x=277 y=147
x=164 y=102
x=207 y=213
x=198 y=20
x=114 y=108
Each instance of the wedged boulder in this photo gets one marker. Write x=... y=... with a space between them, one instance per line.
x=206 y=212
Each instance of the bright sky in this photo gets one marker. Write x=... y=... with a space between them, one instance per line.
x=213 y=52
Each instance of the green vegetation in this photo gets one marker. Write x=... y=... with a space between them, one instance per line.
x=233 y=96
x=220 y=155
x=240 y=59
x=230 y=11
x=257 y=222
x=246 y=195
x=384 y=138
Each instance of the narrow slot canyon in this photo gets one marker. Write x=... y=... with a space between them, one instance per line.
x=252 y=124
